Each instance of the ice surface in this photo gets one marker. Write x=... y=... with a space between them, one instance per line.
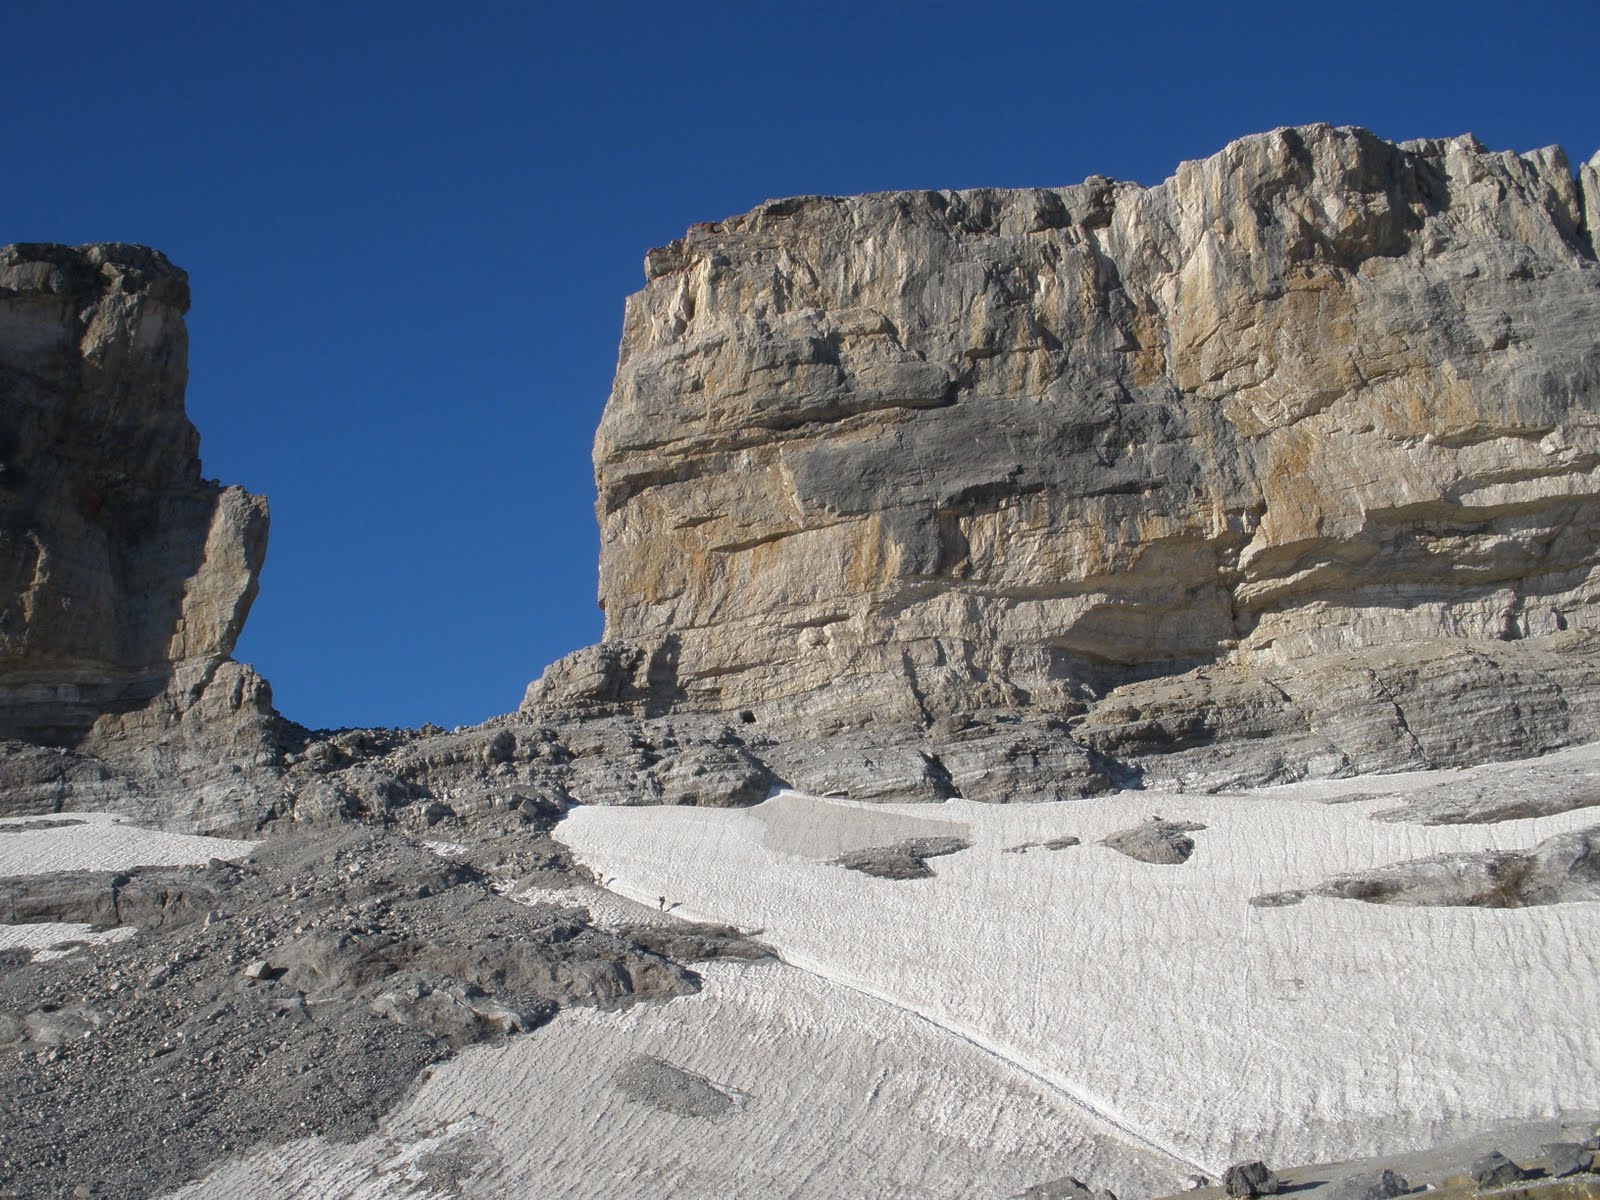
x=1156 y=996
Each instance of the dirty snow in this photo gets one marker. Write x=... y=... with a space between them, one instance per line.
x=842 y=1096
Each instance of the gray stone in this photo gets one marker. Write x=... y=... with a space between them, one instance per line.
x=1068 y=1187
x=1495 y=1170
x=1249 y=1179
x=903 y=860
x=1568 y=1158
x=1375 y=1185
x=1155 y=841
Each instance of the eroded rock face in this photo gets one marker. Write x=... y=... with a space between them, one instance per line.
x=1304 y=431
x=125 y=577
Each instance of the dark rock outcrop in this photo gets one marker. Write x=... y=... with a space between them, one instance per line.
x=125 y=577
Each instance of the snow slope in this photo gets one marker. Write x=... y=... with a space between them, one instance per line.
x=836 y=1095
x=91 y=842
x=101 y=842
x=1155 y=1000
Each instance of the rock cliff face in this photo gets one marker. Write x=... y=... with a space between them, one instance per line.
x=1285 y=467
x=125 y=577
x=1288 y=464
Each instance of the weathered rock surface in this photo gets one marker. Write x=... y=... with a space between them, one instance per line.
x=1567 y=1159
x=1160 y=842
x=1249 y=1179
x=1496 y=1170
x=903 y=860
x=125 y=577
x=1562 y=869
x=1284 y=466
x=650 y=1080
x=1563 y=783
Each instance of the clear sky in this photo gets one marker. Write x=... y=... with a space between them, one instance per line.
x=410 y=228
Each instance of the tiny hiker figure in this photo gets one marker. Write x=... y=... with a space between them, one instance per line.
x=661 y=902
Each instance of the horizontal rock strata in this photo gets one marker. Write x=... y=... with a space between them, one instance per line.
x=125 y=577
x=1299 y=445
x=1284 y=467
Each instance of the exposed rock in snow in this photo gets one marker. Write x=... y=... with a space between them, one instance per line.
x=903 y=860
x=1563 y=869
x=1156 y=841
x=1249 y=1179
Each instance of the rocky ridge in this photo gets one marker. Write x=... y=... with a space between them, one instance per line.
x=1282 y=468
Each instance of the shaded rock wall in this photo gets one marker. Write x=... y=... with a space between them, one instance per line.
x=125 y=577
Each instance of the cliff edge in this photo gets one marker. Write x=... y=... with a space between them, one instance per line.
x=1286 y=465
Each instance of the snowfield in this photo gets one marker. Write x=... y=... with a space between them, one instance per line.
x=832 y=1094
x=101 y=842
x=1155 y=1000
x=91 y=842
x=1021 y=1015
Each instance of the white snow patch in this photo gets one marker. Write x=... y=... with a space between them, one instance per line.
x=101 y=842
x=445 y=849
x=42 y=936
x=606 y=909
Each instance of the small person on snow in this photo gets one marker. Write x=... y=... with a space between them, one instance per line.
x=661 y=903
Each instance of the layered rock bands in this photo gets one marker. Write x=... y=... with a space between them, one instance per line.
x=1284 y=467
x=125 y=577
x=1287 y=464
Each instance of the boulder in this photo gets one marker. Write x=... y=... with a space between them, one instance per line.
x=1568 y=1158
x=1495 y=1170
x=1155 y=841
x=1249 y=1179
x=1374 y=1185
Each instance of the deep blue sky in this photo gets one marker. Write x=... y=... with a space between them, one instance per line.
x=410 y=228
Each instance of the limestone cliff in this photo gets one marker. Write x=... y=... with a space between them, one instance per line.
x=1287 y=466
x=125 y=577
x=1295 y=451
